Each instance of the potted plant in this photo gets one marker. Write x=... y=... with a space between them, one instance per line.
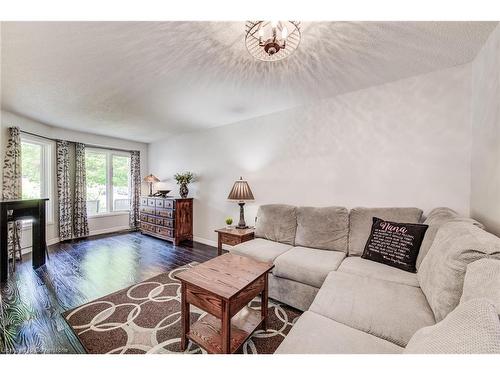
x=183 y=179
x=229 y=221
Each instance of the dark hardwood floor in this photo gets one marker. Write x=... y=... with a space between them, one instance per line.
x=78 y=272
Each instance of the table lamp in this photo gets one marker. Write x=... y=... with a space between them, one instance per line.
x=241 y=192
x=151 y=179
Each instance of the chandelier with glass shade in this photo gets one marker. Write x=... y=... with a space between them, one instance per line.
x=272 y=40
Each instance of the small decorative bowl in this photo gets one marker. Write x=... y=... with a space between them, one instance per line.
x=164 y=192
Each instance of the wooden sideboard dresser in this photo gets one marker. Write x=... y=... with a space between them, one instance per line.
x=167 y=218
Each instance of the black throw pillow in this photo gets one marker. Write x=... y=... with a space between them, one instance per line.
x=394 y=244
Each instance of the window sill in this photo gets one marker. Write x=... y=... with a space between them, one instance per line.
x=106 y=214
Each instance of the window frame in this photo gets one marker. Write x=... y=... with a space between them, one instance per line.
x=110 y=211
x=46 y=173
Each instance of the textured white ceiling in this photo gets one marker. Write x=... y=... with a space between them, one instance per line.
x=147 y=80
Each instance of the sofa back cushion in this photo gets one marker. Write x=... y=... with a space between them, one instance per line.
x=441 y=274
x=435 y=219
x=361 y=219
x=324 y=228
x=482 y=280
x=277 y=222
x=472 y=328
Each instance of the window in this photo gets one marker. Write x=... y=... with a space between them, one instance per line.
x=108 y=181
x=36 y=167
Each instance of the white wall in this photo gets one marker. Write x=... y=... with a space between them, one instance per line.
x=405 y=143
x=97 y=225
x=485 y=182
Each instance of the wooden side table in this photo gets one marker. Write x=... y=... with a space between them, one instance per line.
x=233 y=236
x=223 y=287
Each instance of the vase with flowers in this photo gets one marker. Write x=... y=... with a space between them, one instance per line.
x=183 y=179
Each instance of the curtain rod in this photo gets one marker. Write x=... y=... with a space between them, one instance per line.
x=86 y=144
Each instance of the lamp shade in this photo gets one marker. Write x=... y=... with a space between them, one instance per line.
x=241 y=191
x=151 y=178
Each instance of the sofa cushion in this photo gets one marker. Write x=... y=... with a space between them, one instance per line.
x=324 y=228
x=315 y=334
x=360 y=223
x=308 y=266
x=364 y=267
x=472 y=328
x=276 y=222
x=435 y=219
x=441 y=274
x=440 y=214
x=260 y=249
x=394 y=244
x=482 y=280
x=293 y=293
x=388 y=310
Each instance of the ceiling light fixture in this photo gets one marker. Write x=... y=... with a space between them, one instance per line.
x=272 y=40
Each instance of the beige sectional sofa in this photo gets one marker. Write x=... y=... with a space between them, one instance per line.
x=354 y=305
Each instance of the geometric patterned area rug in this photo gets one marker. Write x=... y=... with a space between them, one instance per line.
x=145 y=318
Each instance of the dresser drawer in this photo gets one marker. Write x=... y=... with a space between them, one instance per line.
x=148 y=210
x=151 y=202
x=151 y=219
x=165 y=232
x=160 y=203
x=163 y=212
x=148 y=227
x=164 y=222
x=143 y=218
x=144 y=201
x=169 y=203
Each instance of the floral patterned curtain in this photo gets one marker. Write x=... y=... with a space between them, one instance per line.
x=65 y=203
x=80 y=221
x=135 y=176
x=11 y=184
x=12 y=177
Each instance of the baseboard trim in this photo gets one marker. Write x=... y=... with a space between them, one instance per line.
x=122 y=228
x=56 y=240
x=109 y=230
x=210 y=242
x=53 y=241
x=26 y=250
x=204 y=241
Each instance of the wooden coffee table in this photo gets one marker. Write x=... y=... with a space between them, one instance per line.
x=223 y=287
